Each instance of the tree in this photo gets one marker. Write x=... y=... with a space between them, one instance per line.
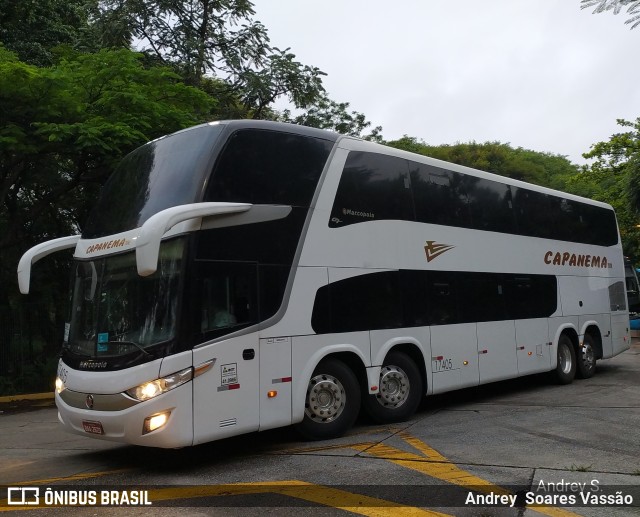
x=633 y=8
x=215 y=39
x=63 y=129
x=280 y=75
x=521 y=164
x=328 y=114
x=614 y=177
x=32 y=28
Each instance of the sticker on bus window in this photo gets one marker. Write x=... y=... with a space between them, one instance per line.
x=103 y=339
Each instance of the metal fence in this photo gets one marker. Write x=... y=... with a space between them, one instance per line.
x=29 y=347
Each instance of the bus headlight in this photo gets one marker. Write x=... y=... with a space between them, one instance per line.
x=155 y=422
x=152 y=389
x=59 y=385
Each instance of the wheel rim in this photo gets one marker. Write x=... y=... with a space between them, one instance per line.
x=588 y=355
x=564 y=357
x=325 y=398
x=394 y=387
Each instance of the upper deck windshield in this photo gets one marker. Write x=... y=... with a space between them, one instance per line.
x=164 y=173
x=116 y=312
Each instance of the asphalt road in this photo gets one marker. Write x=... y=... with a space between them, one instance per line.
x=467 y=453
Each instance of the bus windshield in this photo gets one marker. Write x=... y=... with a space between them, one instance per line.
x=116 y=312
x=161 y=174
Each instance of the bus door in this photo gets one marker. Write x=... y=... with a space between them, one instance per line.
x=225 y=397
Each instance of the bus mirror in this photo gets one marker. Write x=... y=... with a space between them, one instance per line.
x=36 y=253
x=152 y=231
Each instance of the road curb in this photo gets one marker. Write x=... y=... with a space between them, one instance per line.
x=27 y=396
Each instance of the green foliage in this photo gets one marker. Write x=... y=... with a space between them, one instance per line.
x=32 y=28
x=522 y=164
x=614 y=177
x=65 y=127
x=280 y=75
x=198 y=36
x=214 y=37
x=328 y=114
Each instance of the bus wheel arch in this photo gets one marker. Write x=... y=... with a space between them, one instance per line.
x=567 y=352
x=332 y=399
x=589 y=352
x=400 y=388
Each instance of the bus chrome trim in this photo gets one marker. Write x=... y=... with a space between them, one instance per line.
x=96 y=402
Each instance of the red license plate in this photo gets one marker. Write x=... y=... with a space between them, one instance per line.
x=92 y=427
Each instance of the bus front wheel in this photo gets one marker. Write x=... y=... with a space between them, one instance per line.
x=565 y=370
x=332 y=401
x=399 y=390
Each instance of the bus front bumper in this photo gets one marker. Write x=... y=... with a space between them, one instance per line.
x=165 y=421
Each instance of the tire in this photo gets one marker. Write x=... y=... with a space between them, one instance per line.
x=565 y=370
x=586 y=363
x=400 y=390
x=332 y=402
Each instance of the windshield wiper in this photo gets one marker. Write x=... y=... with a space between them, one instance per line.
x=132 y=344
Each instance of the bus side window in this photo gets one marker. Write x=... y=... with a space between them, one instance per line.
x=443 y=305
x=413 y=286
x=227 y=297
x=373 y=187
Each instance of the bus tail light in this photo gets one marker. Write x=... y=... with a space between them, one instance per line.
x=152 y=389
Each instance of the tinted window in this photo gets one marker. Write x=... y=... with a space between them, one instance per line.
x=360 y=303
x=440 y=196
x=227 y=297
x=531 y=296
x=601 y=226
x=490 y=205
x=271 y=242
x=484 y=297
x=532 y=213
x=442 y=293
x=373 y=301
x=272 y=282
x=167 y=172
x=372 y=186
x=268 y=167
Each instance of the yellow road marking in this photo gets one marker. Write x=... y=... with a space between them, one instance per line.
x=326 y=496
x=74 y=477
x=438 y=466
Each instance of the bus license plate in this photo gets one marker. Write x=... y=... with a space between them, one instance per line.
x=92 y=427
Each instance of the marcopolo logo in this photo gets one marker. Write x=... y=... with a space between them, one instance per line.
x=433 y=250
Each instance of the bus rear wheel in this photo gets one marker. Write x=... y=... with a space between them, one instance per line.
x=399 y=390
x=332 y=401
x=565 y=370
x=587 y=359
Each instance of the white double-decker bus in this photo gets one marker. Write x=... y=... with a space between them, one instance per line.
x=240 y=276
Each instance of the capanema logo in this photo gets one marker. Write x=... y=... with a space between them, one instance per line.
x=433 y=250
